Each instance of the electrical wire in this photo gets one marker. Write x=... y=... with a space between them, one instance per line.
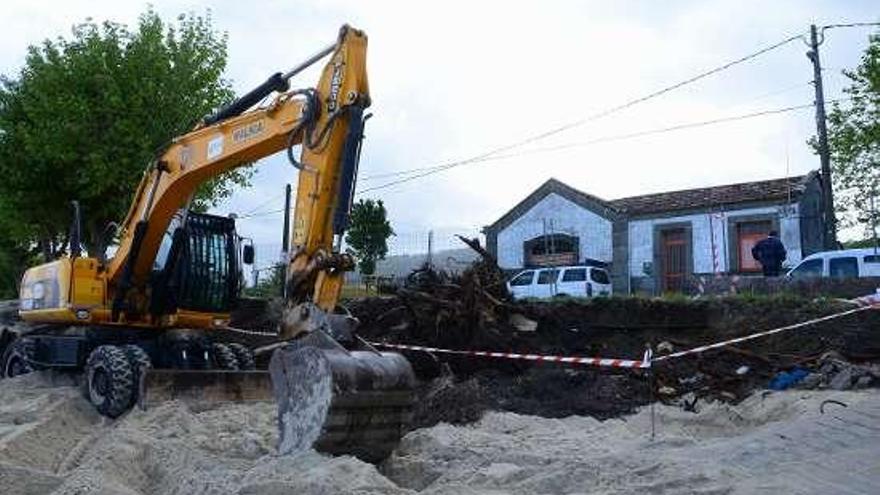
x=409 y=171
x=612 y=110
x=852 y=24
x=620 y=137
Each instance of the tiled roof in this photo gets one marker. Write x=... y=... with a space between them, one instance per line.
x=706 y=197
x=689 y=199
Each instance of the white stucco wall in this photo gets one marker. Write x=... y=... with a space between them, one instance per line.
x=567 y=217
x=707 y=228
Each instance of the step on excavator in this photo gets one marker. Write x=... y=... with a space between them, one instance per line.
x=142 y=326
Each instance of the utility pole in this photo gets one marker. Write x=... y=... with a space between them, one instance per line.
x=874 y=223
x=430 y=259
x=830 y=224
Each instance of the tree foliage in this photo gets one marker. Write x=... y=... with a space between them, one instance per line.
x=86 y=115
x=854 y=141
x=367 y=237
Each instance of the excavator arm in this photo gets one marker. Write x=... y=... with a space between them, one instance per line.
x=326 y=121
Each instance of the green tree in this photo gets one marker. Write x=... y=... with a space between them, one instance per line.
x=270 y=282
x=367 y=236
x=854 y=142
x=86 y=115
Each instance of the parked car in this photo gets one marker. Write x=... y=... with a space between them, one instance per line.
x=846 y=263
x=574 y=281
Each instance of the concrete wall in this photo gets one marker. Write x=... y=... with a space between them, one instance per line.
x=593 y=231
x=708 y=229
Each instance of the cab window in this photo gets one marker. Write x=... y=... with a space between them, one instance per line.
x=547 y=276
x=847 y=267
x=808 y=269
x=524 y=278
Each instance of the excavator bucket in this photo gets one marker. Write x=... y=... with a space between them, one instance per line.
x=341 y=402
x=203 y=386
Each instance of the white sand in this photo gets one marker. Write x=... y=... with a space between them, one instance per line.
x=52 y=442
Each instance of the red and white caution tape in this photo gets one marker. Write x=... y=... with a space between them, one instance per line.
x=866 y=303
x=594 y=361
x=697 y=350
x=869 y=300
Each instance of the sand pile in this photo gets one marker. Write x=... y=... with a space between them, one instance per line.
x=789 y=442
x=778 y=443
x=51 y=441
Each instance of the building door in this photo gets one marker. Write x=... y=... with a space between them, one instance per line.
x=748 y=234
x=673 y=259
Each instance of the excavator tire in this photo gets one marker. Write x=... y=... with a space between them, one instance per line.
x=17 y=358
x=245 y=356
x=224 y=357
x=110 y=380
x=140 y=362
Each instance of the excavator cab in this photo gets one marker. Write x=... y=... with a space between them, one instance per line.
x=199 y=265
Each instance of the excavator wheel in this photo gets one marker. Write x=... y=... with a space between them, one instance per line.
x=244 y=356
x=17 y=358
x=224 y=357
x=110 y=380
x=140 y=362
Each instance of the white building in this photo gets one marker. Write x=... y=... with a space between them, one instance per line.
x=660 y=242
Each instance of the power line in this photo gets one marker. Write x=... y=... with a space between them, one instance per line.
x=264 y=213
x=620 y=137
x=409 y=171
x=852 y=24
x=606 y=112
x=261 y=205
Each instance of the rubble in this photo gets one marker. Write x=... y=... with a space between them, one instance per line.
x=833 y=371
x=473 y=312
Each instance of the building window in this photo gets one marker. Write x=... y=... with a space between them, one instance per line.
x=747 y=235
x=551 y=250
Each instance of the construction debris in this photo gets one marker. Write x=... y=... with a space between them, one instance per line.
x=473 y=311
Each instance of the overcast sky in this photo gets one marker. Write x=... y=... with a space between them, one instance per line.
x=451 y=80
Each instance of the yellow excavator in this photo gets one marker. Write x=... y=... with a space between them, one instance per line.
x=141 y=326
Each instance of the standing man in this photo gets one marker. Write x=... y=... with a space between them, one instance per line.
x=770 y=253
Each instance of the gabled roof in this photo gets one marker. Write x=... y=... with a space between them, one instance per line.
x=587 y=201
x=773 y=190
x=708 y=197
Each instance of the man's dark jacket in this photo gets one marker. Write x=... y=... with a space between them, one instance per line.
x=770 y=253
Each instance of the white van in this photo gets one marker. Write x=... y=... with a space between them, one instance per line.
x=846 y=263
x=574 y=281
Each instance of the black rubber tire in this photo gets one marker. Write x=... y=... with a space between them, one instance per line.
x=244 y=355
x=110 y=380
x=140 y=362
x=224 y=358
x=17 y=358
